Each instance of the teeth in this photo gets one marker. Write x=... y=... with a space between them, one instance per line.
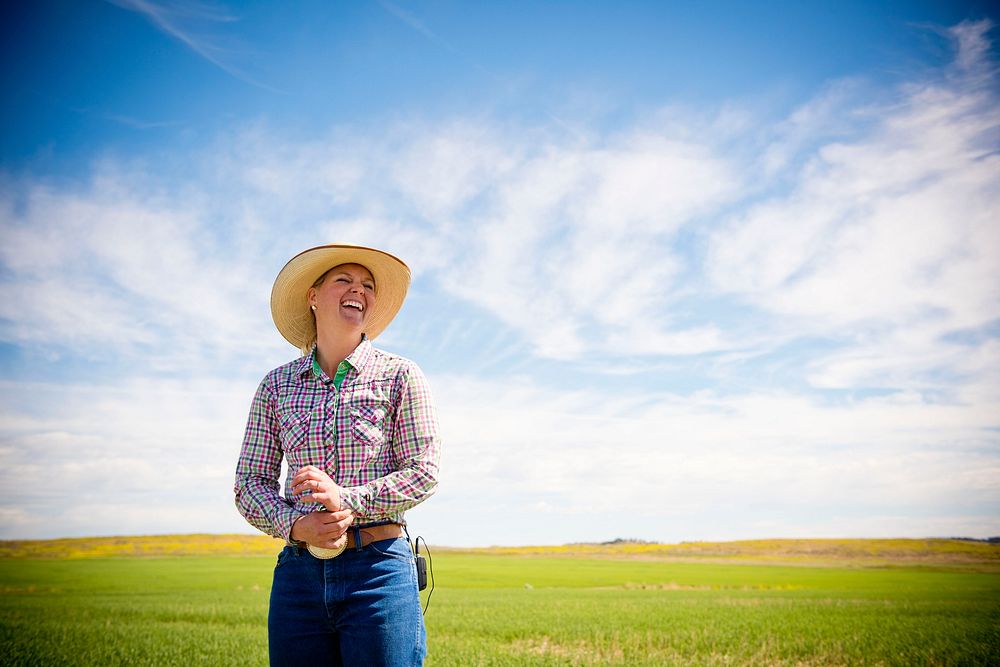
x=354 y=304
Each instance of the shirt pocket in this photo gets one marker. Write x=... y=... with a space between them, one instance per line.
x=294 y=431
x=303 y=446
x=369 y=427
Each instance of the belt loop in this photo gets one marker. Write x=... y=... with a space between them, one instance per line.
x=357 y=537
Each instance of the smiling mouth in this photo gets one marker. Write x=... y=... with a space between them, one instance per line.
x=356 y=305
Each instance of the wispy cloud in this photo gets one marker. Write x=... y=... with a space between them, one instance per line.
x=888 y=239
x=416 y=23
x=502 y=87
x=410 y=19
x=186 y=21
x=119 y=265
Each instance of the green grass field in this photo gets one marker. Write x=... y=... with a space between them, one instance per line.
x=844 y=605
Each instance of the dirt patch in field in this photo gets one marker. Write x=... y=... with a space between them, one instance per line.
x=578 y=652
x=674 y=586
x=651 y=650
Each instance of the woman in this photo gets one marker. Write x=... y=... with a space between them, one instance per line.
x=358 y=431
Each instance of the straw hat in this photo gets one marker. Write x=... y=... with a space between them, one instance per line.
x=290 y=306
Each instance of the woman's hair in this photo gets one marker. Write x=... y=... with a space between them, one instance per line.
x=319 y=281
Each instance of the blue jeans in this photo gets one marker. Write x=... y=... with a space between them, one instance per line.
x=360 y=608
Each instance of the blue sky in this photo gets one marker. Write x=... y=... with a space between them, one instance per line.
x=681 y=270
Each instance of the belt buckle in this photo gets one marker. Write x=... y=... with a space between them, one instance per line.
x=326 y=554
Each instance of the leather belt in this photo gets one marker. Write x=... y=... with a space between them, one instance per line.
x=368 y=535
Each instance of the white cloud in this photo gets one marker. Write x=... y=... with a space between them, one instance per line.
x=576 y=244
x=642 y=462
x=441 y=171
x=116 y=267
x=159 y=457
x=132 y=457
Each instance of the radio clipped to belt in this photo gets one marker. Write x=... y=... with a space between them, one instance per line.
x=422 y=566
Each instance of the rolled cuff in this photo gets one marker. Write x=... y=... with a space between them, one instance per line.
x=283 y=521
x=356 y=499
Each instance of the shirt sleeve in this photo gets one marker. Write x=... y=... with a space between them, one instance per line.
x=258 y=471
x=415 y=452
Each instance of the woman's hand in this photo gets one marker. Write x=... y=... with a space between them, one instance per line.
x=323 y=529
x=322 y=489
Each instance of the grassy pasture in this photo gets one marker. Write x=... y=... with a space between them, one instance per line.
x=724 y=604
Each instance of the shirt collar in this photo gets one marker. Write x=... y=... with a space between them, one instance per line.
x=358 y=359
x=305 y=364
x=361 y=355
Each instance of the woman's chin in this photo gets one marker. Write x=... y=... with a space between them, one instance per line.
x=349 y=322
x=352 y=316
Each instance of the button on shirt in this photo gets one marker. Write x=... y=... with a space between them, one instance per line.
x=376 y=435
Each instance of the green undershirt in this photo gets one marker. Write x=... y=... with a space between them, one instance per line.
x=338 y=378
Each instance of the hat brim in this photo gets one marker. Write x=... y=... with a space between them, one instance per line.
x=289 y=296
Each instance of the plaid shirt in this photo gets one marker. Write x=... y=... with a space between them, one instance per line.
x=376 y=436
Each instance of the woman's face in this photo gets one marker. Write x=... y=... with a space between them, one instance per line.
x=344 y=298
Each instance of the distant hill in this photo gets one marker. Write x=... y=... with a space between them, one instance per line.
x=860 y=552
